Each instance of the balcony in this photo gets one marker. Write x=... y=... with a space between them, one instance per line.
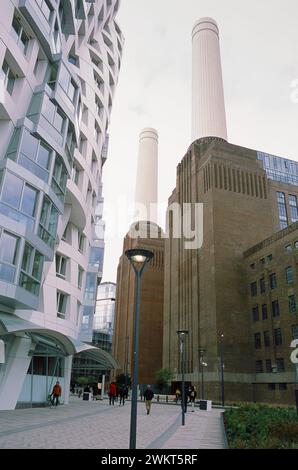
x=78 y=209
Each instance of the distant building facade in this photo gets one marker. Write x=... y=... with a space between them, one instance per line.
x=235 y=279
x=151 y=309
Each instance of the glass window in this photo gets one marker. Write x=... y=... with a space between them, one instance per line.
x=283 y=386
x=58 y=122
x=31 y=270
x=48 y=222
x=66 y=237
x=295 y=331
x=8 y=248
x=266 y=339
x=59 y=179
x=29 y=144
x=9 y=77
x=258 y=341
x=253 y=289
x=49 y=109
x=72 y=59
x=43 y=156
x=8 y=255
x=259 y=366
x=262 y=285
x=61 y=304
x=264 y=312
x=293 y=208
x=268 y=365
x=61 y=264
x=37 y=265
x=81 y=242
x=289 y=275
x=29 y=200
x=91 y=284
x=27 y=257
x=275 y=308
x=281 y=203
x=288 y=248
x=12 y=190
x=292 y=303
x=20 y=196
x=80 y=277
x=35 y=156
x=280 y=364
x=53 y=114
x=19 y=35
x=277 y=336
x=273 y=281
x=96 y=257
x=255 y=313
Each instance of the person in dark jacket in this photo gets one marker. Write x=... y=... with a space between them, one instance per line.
x=148 y=395
x=122 y=394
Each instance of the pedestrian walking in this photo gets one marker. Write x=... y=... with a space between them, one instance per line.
x=112 y=393
x=193 y=394
x=148 y=395
x=178 y=395
x=122 y=394
x=56 y=393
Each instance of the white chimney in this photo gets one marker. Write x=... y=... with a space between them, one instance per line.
x=208 y=106
x=147 y=174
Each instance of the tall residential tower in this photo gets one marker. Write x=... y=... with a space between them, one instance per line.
x=60 y=64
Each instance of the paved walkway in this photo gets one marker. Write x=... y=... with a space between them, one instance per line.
x=96 y=425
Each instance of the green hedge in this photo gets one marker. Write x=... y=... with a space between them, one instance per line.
x=261 y=427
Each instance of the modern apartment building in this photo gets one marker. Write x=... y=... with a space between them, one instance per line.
x=60 y=64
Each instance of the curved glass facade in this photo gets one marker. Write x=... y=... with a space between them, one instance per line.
x=60 y=64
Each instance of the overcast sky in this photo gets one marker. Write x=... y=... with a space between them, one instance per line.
x=259 y=49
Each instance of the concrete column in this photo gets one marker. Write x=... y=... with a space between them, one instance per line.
x=103 y=386
x=13 y=372
x=208 y=106
x=67 y=377
x=147 y=175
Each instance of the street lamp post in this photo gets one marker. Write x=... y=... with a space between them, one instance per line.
x=138 y=259
x=202 y=365
x=222 y=370
x=181 y=334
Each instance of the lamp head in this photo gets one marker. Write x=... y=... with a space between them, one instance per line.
x=182 y=333
x=138 y=257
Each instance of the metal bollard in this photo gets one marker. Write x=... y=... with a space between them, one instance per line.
x=157 y=398
x=167 y=399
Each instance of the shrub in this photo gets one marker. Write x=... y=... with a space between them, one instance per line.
x=257 y=426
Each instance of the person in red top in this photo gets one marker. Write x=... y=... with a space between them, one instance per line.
x=56 y=393
x=112 y=393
